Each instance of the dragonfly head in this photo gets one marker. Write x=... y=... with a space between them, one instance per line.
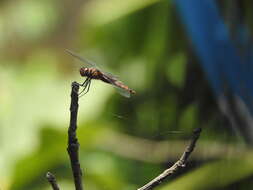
x=84 y=72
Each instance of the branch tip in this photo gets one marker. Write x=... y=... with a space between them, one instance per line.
x=51 y=179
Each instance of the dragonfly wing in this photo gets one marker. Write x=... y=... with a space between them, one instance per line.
x=113 y=80
x=122 y=91
x=111 y=76
x=92 y=64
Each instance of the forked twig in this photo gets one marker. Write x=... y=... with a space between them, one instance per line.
x=73 y=145
x=179 y=164
x=51 y=179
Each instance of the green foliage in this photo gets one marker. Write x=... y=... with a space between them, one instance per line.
x=176 y=70
x=101 y=13
x=188 y=118
x=31 y=169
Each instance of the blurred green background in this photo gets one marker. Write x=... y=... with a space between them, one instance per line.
x=124 y=142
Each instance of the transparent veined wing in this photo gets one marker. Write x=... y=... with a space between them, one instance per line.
x=118 y=85
x=90 y=63
x=122 y=91
x=82 y=59
x=110 y=75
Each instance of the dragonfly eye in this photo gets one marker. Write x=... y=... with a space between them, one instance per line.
x=83 y=71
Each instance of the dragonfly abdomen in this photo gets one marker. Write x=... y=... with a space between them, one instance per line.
x=125 y=87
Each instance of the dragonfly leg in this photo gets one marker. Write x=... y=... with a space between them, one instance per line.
x=84 y=85
x=86 y=88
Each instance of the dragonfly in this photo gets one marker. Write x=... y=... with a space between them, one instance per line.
x=93 y=72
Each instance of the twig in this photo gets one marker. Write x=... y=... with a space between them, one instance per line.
x=179 y=164
x=51 y=179
x=73 y=144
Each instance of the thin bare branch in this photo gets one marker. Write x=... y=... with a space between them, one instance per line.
x=73 y=144
x=179 y=164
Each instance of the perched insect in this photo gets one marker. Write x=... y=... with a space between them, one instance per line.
x=93 y=72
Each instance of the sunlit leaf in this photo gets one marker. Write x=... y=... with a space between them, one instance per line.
x=99 y=12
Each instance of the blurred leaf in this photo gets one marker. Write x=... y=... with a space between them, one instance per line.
x=214 y=175
x=188 y=118
x=176 y=70
x=157 y=31
x=99 y=12
x=104 y=174
x=35 y=18
x=169 y=112
x=33 y=167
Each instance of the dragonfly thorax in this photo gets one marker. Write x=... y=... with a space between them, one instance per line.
x=89 y=72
